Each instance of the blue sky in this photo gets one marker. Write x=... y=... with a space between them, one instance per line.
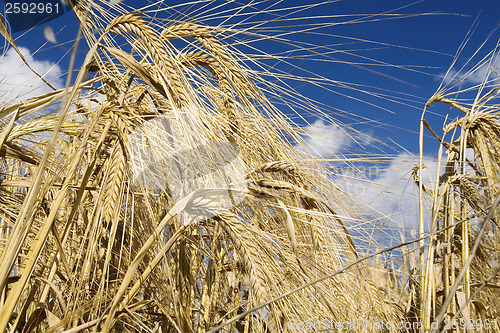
x=401 y=53
x=424 y=44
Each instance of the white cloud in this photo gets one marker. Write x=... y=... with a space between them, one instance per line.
x=331 y=140
x=18 y=82
x=389 y=191
x=325 y=140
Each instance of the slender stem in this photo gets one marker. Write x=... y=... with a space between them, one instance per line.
x=465 y=268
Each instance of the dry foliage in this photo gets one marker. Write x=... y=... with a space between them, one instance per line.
x=99 y=236
x=93 y=247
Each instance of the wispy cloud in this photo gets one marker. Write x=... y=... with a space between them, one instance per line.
x=485 y=71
